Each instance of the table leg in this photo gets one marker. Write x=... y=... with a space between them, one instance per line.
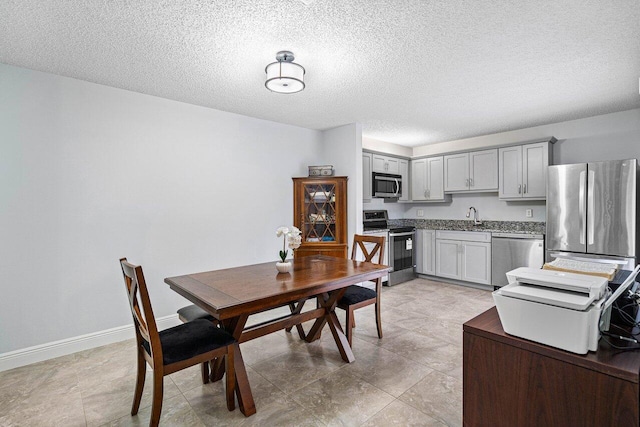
x=243 y=390
x=316 y=329
x=296 y=309
x=329 y=301
x=341 y=340
x=234 y=326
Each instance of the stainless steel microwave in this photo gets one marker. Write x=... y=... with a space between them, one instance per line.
x=386 y=185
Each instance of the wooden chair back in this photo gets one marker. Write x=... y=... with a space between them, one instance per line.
x=360 y=242
x=372 y=248
x=143 y=320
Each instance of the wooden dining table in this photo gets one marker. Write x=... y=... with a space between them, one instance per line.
x=232 y=295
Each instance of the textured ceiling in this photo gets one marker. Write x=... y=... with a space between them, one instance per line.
x=412 y=72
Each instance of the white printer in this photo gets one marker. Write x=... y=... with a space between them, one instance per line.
x=555 y=308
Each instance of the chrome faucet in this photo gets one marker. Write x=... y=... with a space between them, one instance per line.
x=476 y=220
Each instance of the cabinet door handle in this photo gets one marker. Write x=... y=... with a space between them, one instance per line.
x=429 y=193
x=425 y=193
x=525 y=189
x=519 y=188
x=470 y=182
x=466 y=182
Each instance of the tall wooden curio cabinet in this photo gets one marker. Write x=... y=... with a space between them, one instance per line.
x=320 y=212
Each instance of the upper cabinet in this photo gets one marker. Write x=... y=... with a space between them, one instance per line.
x=471 y=172
x=427 y=182
x=386 y=164
x=366 y=177
x=523 y=171
x=515 y=172
x=404 y=173
x=372 y=162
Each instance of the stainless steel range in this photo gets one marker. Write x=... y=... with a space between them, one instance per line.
x=402 y=257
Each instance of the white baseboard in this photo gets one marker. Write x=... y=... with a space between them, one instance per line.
x=38 y=353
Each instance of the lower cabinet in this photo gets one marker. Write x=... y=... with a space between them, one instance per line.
x=426 y=252
x=463 y=255
x=476 y=262
x=448 y=260
x=509 y=381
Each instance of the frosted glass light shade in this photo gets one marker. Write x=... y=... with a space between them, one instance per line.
x=284 y=77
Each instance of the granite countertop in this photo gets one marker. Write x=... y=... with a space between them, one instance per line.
x=522 y=227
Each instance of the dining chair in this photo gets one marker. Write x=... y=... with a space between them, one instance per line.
x=193 y=312
x=189 y=314
x=172 y=349
x=356 y=296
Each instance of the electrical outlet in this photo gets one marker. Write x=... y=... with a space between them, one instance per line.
x=420 y=212
x=529 y=213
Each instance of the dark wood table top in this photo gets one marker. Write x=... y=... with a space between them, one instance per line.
x=249 y=289
x=607 y=360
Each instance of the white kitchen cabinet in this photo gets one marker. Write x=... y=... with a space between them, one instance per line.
x=448 y=261
x=426 y=252
x=419 y=179
x=366 y=177
x=464 y=255
x=385 y=164
x=427 y=180
x=456 y=172
x=523 y=171
x=471 y=172
x=403 y=166
x=483 y=170
x=476 y=262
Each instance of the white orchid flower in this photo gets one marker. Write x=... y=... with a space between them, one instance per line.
x=291 y=238
x=282 y=231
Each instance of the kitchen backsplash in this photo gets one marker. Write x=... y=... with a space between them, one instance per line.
x=532 y=227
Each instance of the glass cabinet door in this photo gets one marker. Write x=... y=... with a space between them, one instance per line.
x=319 y=213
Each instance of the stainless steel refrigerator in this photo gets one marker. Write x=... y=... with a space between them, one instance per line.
x=591 y=212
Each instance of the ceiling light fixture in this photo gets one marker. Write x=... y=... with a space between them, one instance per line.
x=284 y=76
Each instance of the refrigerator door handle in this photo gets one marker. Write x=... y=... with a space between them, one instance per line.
x=581 y=207
x=591 y=206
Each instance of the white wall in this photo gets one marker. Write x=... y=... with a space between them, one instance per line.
x=607 y=137
x=487 y=204
x=89 y=174
x=394 y=209
x=342 y=147
x=386 y=147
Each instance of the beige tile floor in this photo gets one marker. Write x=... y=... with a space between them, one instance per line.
x=411 y=377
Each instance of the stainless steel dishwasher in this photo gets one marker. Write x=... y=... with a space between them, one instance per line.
x=513 y=250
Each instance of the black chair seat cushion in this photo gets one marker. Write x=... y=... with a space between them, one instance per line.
x=355 y=294
x=190 y=339
x=193 y=312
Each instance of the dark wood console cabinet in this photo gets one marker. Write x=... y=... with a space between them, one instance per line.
x=508 y=381
x=320 y=212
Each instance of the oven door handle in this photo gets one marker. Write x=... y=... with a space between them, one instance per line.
x=406 y=233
